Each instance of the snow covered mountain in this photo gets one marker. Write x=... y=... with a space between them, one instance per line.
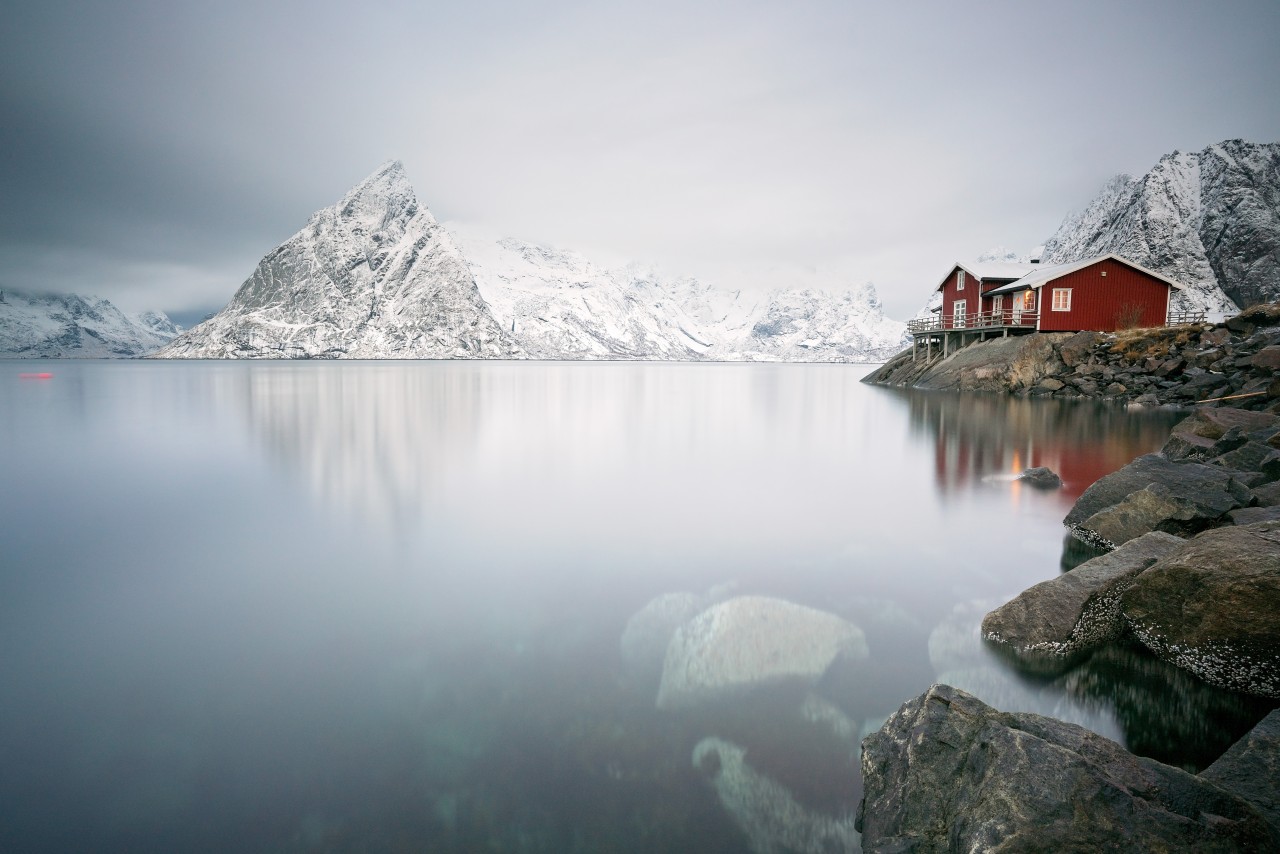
x=51 y=326
x=560 y=305
x=372 y=277
x=1210 y=220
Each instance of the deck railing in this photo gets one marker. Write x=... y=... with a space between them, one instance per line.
x=975 y=320
x=1178 y=318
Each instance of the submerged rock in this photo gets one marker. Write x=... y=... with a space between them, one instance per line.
x=752 y=642
x=1049 y=623
x=768 y=814
x=645 y=638
x=948 y=773
x=1211 y=607
x=1041 y=478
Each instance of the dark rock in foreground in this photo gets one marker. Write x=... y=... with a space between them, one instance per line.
x=1046 y=625
x=948 y=773
x=1251 y=768
x=1212 y=607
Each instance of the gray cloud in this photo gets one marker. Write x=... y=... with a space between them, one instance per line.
x=154 y=151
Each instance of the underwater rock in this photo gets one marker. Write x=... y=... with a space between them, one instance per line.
x=1211 y=607
x=644 y=640
x=1047 y=624
x=752 y=642
x=768 y=814
x=949 y=773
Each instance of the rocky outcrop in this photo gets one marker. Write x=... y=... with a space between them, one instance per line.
x=1047 y=625
x=1211 y=607
x=1174 y=366
x=770 y=816
x=948 y=773
x=751 y=643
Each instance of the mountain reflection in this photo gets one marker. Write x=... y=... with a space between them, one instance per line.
x=980 y=435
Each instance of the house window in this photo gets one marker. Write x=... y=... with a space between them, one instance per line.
x=960 y=280
x=1062 y=299
x=1029 y=300
x=958 y=309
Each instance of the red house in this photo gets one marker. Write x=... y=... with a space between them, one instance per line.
x=1101 y=294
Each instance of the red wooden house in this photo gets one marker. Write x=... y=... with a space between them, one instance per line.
x=1101 y=294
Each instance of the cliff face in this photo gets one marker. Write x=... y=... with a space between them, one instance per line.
x=1210 y=220
x=54 y=326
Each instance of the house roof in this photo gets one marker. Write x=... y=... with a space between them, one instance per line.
x=1041 y=276
x=986 y=271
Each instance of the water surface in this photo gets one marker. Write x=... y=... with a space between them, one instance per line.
x=377 y=606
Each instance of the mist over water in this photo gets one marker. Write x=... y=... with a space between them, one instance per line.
x=377 y=606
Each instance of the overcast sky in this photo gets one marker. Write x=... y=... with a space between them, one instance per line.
x=154 y=151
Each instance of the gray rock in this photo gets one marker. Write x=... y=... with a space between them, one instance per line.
x=948 y=773
x=1051 y=622
x=1253 y=515
x=645 y=638
x=1041 y=478
x=1155 y=508
x=769 y=815
x=1267 y=495
x=1076 y=349
x=1251 y=768
x=1210 y=607
x=1211 y=489
x=750 y=643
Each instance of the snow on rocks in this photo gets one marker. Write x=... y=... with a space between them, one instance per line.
x=752 y=642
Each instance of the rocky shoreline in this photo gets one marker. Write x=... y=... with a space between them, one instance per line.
x=1234 y=362
x=1191 y=570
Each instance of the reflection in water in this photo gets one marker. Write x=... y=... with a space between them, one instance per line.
x=377 y=606
x=980 y=435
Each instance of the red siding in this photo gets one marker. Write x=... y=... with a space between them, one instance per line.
x=950 y=294
x=1123 y=297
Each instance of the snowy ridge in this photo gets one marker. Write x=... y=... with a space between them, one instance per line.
x=372 y=277
x=51 y=326
x=559 y=305
x=1210 y=220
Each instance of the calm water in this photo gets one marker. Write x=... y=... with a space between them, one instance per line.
x=377 y=606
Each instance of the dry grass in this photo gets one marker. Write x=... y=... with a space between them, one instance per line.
x=1154 y=342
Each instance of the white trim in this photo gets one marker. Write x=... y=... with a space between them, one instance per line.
x=1053 y=300
x=960 y=280
x=964 y=306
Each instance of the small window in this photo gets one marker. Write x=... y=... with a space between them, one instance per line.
x=958 y=310
x=960 y=280
x=1029 y=300
x=1062 y=299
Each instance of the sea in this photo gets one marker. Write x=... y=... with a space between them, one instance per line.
x=379 y=606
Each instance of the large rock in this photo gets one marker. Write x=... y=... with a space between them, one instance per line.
x=752 y=642
x=1251 y=768
x=948 y=773
x=769 y=815
x=1211 y=489
x=1048 y=624
x=1000 y=364
x=645 y=638
x=1155 y=508
x=1212 y=608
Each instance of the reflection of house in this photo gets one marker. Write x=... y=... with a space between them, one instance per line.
x=1102 y=294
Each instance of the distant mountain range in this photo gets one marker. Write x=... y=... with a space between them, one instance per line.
x=51 y=326
x=375 y=276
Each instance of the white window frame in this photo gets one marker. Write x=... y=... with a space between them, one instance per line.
x=1065 y=302
x=960 y=280
x=958 y=310
x=997 y=307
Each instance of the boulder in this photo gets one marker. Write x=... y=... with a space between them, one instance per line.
x=1155 y=508
x=1253 y=515
x=1051 y=622
x=1076 y=349
x=1267 y=495
x=750 y=643
x=1212 y=490
x=767 y=813
x=1251 y=768
x=948 y=773
x=645 y=638
x=1267 y=359
x=1252 y=457
x=1211 y=607
x=1041 y=478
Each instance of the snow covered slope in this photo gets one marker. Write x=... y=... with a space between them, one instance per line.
x=560 y=305
x=1209 y=220
x=373 y=277
x=45 y=326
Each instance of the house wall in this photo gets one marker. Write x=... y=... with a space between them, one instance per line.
x=1123 y=297
x=950 y=294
